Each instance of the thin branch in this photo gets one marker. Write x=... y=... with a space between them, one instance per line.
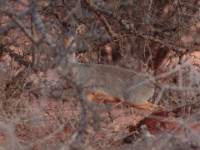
x=22 y=27
x=38 y=22
x=18 y=58
x=101 y=17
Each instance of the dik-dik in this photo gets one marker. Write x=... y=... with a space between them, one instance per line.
x=111 y=83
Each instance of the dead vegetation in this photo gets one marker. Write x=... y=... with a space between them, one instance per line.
x=42 y=107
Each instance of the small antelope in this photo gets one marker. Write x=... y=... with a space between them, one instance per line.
x=110 y=83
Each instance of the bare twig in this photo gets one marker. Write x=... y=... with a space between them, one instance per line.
x=18 y=58
x=42 y=29
x=23 y=28
x=102 y=18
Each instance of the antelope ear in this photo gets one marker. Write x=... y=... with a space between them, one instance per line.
x=70 y=45
x=71 y=57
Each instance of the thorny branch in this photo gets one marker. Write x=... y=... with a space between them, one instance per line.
x=125 y=23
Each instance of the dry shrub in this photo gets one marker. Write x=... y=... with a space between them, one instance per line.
x=42 y=107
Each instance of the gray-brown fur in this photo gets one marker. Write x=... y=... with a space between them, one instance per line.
x=126 y=85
